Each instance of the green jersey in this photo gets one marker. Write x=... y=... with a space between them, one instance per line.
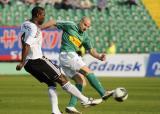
x=72 y=37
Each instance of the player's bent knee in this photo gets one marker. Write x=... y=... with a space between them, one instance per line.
x=62 y=80
x=79 y=79
x=84 y=82
x=85 y=72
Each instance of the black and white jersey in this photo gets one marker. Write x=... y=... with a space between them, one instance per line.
x=32 y=35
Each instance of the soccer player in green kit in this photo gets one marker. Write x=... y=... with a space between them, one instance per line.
x=73 y=37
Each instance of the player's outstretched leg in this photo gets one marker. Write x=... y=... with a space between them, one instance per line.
x=95 y=83
x=54 y=99
x=80 y=83
x=70 y=88
x=73 y=101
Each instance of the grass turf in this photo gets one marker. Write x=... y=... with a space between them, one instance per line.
x=25 y=95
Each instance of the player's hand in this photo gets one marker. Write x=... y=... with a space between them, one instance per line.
x=102 y=57
x=19 y=66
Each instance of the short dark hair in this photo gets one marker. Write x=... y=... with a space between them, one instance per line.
x=36 y=10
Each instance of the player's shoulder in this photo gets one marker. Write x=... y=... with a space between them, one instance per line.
x=67 y=22
x=28 y=25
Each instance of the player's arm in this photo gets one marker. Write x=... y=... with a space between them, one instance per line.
x=64 y=25
x=28 y=33
x=97 y=55
x=56 y=24
x=88 y=46
x=48 y=24
x=25 y=51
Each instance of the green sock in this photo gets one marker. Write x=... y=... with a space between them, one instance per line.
x=73 y=99
x=95 y=83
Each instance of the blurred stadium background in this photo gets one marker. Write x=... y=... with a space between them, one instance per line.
x=133 y=62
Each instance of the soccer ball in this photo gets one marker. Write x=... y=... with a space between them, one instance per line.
x=120 y=94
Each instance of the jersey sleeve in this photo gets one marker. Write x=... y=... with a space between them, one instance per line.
x=28 y=33
x=87 y=43
x=64 y=24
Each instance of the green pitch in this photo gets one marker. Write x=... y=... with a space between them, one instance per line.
x=25 y=95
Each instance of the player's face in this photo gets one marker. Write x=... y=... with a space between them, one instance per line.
x=84 y=25
x=41 y=17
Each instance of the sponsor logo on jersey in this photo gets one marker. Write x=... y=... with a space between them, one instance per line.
x=75 y=41
x=27 y=27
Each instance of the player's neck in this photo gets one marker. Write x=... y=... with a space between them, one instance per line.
x=33 y=20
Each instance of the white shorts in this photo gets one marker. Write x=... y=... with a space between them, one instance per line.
x=70 y=63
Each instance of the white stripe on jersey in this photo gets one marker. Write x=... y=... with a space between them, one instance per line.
x=52 y=66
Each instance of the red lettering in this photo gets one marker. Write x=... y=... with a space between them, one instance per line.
x=50 y=39
x=60 y=39
x=54 y=40
x=9 y=38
